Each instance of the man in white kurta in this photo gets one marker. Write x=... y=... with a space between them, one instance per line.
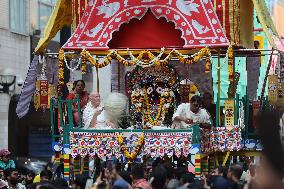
x=188 y=114
x=97 y=117
x=92 y=111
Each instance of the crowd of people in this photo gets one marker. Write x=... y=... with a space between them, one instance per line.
x=268 y=173
x=160 y=174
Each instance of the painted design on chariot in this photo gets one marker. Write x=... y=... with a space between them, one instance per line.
x=221 y=139
x=106 y=145
x=157 y=144
x=196 y=19
x=273 y=89
x=229 y=113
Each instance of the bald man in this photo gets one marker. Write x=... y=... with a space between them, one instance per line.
x=92 y=110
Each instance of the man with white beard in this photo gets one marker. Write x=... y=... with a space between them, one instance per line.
x=97 y=117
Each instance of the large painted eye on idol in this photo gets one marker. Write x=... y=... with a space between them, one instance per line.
x=159 y=90
x=149 y=90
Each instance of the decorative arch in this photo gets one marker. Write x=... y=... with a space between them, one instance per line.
x=196 y=20
x=146 y=33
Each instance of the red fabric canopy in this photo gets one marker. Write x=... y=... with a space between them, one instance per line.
x=196 y=21
x=149 y=32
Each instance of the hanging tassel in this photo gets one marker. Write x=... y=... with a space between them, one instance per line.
x=37 y=96
x=60 y=72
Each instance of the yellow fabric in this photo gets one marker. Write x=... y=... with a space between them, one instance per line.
x=261 y=45
x=246 y=24
x=265 y=21
x=36 y=179
x=60 y=17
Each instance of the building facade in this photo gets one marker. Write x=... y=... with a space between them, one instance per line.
x=21 y=22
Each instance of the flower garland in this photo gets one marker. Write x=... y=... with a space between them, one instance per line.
x=165 y=102
x=127 y=154
x=137 y=97
x=75 y=68
x=122 y=60
x=230 y=63
x=141 y=104
x=150 y=59
x=148 y=118
x=84 y=65
x=94 y=62
x=60 y=70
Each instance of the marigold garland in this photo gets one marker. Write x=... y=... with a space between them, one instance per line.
x=148 y=118
x=127 y=154
x=94 y=62
x=61 y=57
x=230 y=63
x=149 y=58
x=84 y=65
x=141 y=103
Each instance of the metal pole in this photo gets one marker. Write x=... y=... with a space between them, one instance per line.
x=118 y=77
x=98 y=80
x=219 y=87
x=265 y=78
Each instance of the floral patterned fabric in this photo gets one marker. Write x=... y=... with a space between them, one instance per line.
x=221 y=139
x=156 y=144
x=105 y=145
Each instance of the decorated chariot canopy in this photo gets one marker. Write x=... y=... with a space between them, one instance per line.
x=197 y=21
x=179 y=24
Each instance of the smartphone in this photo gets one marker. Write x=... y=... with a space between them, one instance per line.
x=110 y=165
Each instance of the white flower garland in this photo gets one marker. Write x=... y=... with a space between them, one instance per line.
x=158 y=58
x=75 y=68
x=141 y=63
x=225 y=61
x=241 y=123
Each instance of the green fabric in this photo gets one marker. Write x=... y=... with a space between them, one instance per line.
x=240 y=66
x=224 y=78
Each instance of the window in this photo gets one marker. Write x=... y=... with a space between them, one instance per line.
x=45 y=10
x=18 y=16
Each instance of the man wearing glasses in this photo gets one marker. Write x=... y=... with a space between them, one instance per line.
x=188 y=114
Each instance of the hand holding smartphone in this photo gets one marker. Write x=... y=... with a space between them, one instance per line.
x=110 y=165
